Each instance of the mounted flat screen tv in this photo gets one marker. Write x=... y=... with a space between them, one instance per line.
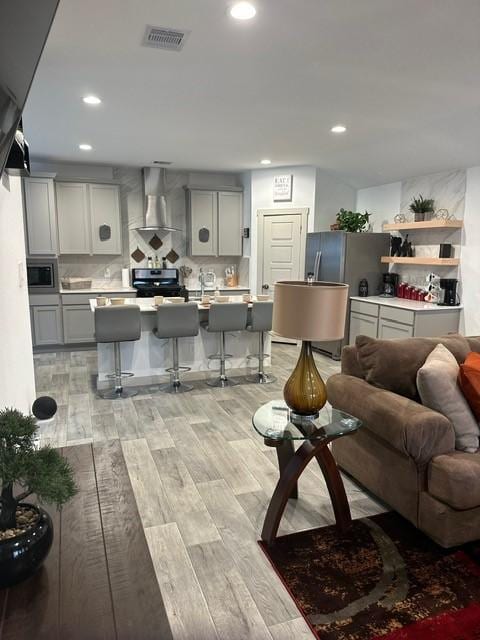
x=24 y=27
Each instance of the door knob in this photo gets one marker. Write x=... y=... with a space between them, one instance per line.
x=265 y=286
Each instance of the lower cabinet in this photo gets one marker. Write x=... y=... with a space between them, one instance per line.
x=47 y=326
x=362 y=325
x=78 y=324
x=388 y=329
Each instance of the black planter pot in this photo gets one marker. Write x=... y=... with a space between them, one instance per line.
x=21 y=556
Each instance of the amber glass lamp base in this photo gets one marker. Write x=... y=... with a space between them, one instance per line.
x=305 y=392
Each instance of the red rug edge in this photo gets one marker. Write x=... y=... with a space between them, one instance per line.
x=264 y=547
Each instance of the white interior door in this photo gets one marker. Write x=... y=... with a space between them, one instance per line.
x=283 y=250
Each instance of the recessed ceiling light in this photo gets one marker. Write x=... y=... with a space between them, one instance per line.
x=338 y=128
x=243 y=11
x=85 y=147
x=91 y=100
x=265 y=161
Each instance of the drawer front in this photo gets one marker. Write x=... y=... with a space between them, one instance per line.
x=43 y=300
x=366 y=308
x=362 y=325
x=388 y=330
x=404 y=316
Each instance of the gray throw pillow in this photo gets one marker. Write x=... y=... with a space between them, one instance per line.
x=439 y=390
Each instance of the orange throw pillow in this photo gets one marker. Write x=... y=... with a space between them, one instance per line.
x=469 y=381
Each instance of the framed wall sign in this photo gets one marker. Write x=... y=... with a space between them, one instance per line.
x=282 y=188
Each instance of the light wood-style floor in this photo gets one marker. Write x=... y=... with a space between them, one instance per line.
x=202 y=479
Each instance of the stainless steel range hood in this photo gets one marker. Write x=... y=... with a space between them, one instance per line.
x=158 y=213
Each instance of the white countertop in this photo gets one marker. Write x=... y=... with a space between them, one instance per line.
x=237 y=288
x=106 y=289
x=146 y=304
x=402 y=303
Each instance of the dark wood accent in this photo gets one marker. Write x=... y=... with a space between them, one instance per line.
x=285 y=452
x=136 y=596
x=98 y=580
x=287 y=483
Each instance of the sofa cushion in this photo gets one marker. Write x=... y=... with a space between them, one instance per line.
x=469 y=381
x=474 y=343
x=393 y=364
x=454 y=478
x=439 y=390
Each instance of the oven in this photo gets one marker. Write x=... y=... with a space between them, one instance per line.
x=157 y=282
x=42 y=275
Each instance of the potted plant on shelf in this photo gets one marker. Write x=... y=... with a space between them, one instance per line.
x=351 y=221
x=26 y=530
x=422 y=208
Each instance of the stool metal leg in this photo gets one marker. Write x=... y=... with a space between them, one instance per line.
x=261 y=377
x=118 y=391
x=222 y=380
x=175 y=386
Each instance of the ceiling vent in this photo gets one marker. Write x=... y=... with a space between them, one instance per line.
x=165 y=38
x=164 y=163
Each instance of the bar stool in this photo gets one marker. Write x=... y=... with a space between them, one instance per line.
x=261 y=321
x=224 y=317
x=116 y=324
x=176 y=321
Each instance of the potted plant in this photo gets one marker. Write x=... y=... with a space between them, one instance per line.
x=351 y=221
x=421 y=208
x=26 y=530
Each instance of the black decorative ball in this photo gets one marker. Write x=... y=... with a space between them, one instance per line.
x=44 y=408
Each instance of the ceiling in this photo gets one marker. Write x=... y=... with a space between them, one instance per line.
x=403 y=76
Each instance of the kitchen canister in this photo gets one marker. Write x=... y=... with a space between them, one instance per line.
x=125 y=278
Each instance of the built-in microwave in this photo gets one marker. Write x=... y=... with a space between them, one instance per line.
x=42 y=275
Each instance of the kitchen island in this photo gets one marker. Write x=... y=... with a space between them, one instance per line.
x=149 y=357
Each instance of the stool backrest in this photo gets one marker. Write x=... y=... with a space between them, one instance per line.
x=177 y=320
x=262 y=316
x=117 y=323
x=228 y=316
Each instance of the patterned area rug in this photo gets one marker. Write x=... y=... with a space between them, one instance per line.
x=383 y=579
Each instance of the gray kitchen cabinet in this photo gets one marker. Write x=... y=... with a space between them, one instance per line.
x=389 y=329
x=214 y=222
x=89 y=219
x=203 y=223
x=362 y=325
x=47 y=326
x=230 y=223
x=73 y=218
x=388 y=322
x=40 y=216
x=78 y=324
x=105 y=220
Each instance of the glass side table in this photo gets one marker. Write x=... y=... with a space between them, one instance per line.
x=279 y=429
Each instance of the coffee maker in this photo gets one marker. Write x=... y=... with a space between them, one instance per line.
x=389 y=285
x=448 y=296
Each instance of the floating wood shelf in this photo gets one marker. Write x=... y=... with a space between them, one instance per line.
x=427 y=224
x=423 y=260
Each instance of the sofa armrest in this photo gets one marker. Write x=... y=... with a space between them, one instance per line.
x=406 y=425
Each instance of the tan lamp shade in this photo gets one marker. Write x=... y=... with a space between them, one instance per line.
x=305 y=311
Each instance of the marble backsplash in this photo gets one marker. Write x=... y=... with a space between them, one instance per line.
x=132 y=203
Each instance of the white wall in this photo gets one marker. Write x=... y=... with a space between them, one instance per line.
x=330 y=196
x=303 y=195
x=17 y=382
x=470 y=257
x=382 y=202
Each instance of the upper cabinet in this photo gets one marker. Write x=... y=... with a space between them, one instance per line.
x=73 y=218
x=215 y=222
x=105 y=219
x=89 y=220
x=40 y=216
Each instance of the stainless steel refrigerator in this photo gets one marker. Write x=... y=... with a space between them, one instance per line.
x=337 y=256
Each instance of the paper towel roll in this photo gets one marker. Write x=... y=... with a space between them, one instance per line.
x=125 y=277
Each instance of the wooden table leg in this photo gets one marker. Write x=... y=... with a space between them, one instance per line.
x=289 y=478
x=335 y=487
x=285 y=452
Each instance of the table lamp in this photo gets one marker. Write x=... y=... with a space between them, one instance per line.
x=308 y=311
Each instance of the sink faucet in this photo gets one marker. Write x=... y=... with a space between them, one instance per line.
x=201 y=279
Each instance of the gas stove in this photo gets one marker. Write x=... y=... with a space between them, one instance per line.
x=157 y=282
